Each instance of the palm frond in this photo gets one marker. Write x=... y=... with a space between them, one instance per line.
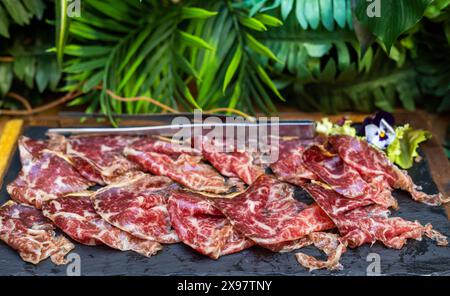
x=131 y=58
x=233 y=76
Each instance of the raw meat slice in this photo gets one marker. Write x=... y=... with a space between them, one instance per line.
x=372 y=163
x=330 y=244
x=76 y=216
x=190 y=171
x=99 y=158
x=26 y=230
x=292 y=169
x=344 y=179
x=289 y=145
x=45 y=175
x=240 y=164
x=202 y=227
x=139 y=207
x=164 y=146
x=268 y=214
x=371 y=223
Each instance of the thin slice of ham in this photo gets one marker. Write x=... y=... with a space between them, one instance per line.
x=99 y=158
x=344 y=179
x=291 y=168
x=27 y=231
x=76 y=216
x=372 y=163
x=165 y=146
x=139 y=207
x=369 y=224
x=330 y=244
x=202 y=227
x=268 y=214
x=190 y=171
x=46 y=174
x=232 y=162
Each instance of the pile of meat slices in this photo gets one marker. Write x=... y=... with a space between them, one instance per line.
x=155 y=193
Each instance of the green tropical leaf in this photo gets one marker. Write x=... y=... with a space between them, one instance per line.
x=86 y=50
x=35 y=7
x=62 y=23
x=7 y=76
x=4 y=23
x=266 y=79
x=196 y=12
x=312 y=13
x=195 y=41
x=268 y=20
x=286 y=8
x=252 y=23
x=17 y=12
x=340 y=12
x=260 y=48
x=396 y=17
x=43 y=68
x=234 y=64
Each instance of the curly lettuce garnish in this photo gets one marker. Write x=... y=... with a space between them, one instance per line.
x=325 y=126
x=400 y=146
x=403 y=149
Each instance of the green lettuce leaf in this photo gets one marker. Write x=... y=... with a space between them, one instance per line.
x=403 y=149
x=325 y=126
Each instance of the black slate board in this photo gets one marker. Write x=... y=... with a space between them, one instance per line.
x=417 y=258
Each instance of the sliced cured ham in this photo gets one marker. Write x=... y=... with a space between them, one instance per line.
x=292 y=169
x=165 y=146
x=344 y=179
x=139 y=207
x=45 y=174
x=371 y=223
x=232 y=163
x=27 y=231
x=202 y=227
x=248 y=164
x=190 y=171
x=268 y=214
x=99 y=158
x=76 y=216
x=372 y=163
x=330 y=244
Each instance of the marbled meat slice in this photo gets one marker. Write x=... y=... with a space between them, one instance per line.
x=291 y=168
x=190 y=171
x=370 y=223
x=27 y=231
x=268 y=214
x=165 y=146
x=344 y=179
x=232 y=162
x=76 y=216
x=45 y=175
x=330 y=244
x=373 y=164
x=99 y=158
x=139 y=207
x=202 y=227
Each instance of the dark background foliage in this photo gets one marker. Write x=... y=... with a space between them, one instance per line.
x=250 y=55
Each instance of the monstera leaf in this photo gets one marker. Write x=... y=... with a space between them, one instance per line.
x=395 y=18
